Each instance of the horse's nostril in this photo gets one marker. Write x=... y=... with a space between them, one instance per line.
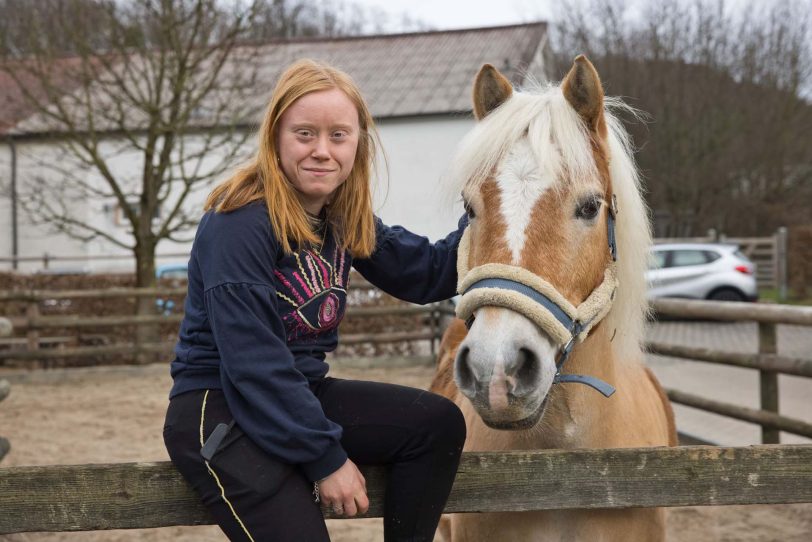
x=525 y=368
x=464 y=376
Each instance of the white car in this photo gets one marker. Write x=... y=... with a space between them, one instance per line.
x=701 y=271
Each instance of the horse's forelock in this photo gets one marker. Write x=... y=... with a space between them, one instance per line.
x=557 y=137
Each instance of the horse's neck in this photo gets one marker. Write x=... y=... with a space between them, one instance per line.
x=578 y=412
x=576 y=416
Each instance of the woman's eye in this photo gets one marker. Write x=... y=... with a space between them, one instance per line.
x=588 y=209
x=469 y=210
x=304 y=133
x=339 y=135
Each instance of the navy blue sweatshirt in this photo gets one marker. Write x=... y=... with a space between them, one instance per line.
x=258 y=322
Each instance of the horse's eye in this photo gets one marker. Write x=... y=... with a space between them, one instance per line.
x=469 y=210
x=588 y=208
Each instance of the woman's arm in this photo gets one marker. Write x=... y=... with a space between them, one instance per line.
x=269 y=398
x=408 y=266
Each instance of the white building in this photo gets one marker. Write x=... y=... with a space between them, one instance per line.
x=418 y=86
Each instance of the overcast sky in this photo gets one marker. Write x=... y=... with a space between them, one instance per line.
x=450 y=14
x=446 y=14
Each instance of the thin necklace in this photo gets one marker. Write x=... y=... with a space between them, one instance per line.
x=320 y=224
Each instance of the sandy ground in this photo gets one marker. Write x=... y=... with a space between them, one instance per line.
x=115 y=414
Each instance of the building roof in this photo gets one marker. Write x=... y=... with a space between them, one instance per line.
x=13 y=104
x=422 y=73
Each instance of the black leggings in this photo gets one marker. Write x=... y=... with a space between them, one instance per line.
x=416 y=434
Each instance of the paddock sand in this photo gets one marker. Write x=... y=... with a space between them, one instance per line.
x=115 y=414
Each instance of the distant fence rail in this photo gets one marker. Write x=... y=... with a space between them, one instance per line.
x=768 y=252
x=146 y=495
x=33 y=323
x=767 y=360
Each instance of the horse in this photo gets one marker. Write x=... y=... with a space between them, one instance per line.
x=553 y=305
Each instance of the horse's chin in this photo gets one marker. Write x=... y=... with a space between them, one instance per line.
x=520 y=424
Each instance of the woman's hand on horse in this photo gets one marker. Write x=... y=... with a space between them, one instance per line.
x=345 y=491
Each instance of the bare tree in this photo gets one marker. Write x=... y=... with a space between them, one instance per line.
x=162 y=82
x=23 y=22
x=725 y=93
x=294 y=18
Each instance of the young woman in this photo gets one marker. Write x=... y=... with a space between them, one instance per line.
x=254 y=423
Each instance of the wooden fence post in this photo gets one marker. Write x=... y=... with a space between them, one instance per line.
x=781 y=263
x=5 y=446
x=768 y=380
x=31 y=313
x=5 y=387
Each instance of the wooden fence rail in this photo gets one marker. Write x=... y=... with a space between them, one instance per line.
x=44 y=322
x=145 y=495
x=766 y=361
x=33 y=323
x=734 y=311
x=166 y=347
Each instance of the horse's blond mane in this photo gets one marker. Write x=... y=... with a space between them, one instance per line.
x=630 y=309
x=561 y=144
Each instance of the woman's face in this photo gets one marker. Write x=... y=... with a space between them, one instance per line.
x=318 y=138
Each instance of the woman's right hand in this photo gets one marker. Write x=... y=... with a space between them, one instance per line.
x=345 y=491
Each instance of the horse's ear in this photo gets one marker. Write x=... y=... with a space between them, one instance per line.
x=582 y=89
x=491 y=89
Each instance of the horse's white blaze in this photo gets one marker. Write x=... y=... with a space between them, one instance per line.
x=521 y=184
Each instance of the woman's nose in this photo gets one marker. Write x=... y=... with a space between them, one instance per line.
x=321 y=149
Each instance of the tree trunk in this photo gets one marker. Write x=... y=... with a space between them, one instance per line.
x=145 y=278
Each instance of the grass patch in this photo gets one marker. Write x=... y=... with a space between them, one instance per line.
x=770 y=295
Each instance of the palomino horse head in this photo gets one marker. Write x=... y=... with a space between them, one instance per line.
x=539 y=177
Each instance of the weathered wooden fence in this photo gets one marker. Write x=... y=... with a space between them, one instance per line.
x=142 y=495
x=767 y=360
x=36 y=346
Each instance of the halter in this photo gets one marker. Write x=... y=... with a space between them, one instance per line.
x=515 y=288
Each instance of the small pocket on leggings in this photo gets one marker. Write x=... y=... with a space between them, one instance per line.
x=245 y=464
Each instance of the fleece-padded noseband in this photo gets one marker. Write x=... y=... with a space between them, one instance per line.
x=517 y=289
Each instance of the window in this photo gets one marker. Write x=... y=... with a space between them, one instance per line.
x=712 y=256
x=682 y=258
x=657 y=259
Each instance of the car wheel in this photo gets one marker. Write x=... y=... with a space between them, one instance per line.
x=726 y=294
